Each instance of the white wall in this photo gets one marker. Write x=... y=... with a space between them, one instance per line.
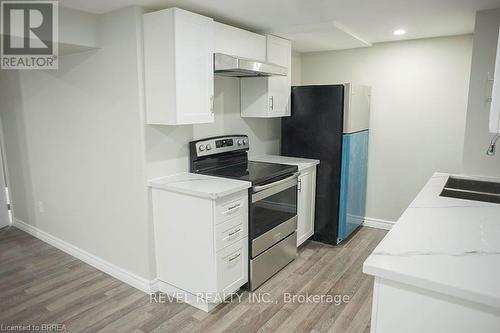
x=419 y=101
x=167 y=146
x=78 y=28
x=296 y=68
x=477 y=136
x=74 y=141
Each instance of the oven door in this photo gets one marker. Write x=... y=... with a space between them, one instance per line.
x=273 y=213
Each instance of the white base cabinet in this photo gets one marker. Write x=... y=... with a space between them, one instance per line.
x=178 y=67
x=399 y=307
x=201 y=246
x=306 y=204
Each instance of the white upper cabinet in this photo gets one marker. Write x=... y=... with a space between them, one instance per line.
x=238 y=42
x=279 y=51
x=178 y=61
x=268 y=97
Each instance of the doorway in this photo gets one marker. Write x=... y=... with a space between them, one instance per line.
x=5 y=212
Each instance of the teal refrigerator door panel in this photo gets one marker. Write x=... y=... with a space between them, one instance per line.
x=353 y=179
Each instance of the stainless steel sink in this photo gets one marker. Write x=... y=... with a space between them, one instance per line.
x=471 y=189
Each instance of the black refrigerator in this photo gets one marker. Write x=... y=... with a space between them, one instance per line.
x=320 y=128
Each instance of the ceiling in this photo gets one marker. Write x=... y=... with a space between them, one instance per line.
x=318 y=25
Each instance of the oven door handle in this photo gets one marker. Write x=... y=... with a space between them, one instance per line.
x=260 y=188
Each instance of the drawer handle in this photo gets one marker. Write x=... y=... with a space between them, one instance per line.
x=234 y=257
x=232 y=208
x=232 y=233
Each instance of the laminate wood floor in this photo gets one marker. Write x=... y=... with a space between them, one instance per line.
x=40 y=284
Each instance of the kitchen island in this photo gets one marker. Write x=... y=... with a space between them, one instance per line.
x=438 y=269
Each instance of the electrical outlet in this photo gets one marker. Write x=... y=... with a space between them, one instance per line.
x=41 y=207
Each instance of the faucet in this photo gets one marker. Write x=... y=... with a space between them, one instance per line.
x=492 y=148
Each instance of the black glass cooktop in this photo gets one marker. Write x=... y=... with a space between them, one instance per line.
x=256 y=172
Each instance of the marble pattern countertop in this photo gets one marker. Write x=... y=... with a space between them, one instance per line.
x=301 y=163
x=199 y=185
x=447 y=245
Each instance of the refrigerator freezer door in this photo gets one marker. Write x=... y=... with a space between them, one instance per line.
x=356 y=108
x=353 y=182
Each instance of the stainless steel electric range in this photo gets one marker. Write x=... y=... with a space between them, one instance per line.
x=272 y=201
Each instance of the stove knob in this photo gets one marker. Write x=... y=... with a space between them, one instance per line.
x=245 y=141
x=201 y=148
x=209 y=147
x=239 y=143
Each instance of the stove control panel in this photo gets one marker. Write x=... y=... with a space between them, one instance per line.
x=217 y=145
x=221 y=143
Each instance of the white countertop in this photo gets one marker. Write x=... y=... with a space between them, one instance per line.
x=199 y=185
x=447 y=245
x=301 y=163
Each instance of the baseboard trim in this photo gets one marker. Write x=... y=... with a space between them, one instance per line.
x=88 y=258
x=378 y=223
x=154 y=286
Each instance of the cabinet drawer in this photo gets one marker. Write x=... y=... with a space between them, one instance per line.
x=230 y=231
x=231 y=207
x=232 y=266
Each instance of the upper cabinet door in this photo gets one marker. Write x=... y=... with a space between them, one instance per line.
x=178 y=61
x=268 y=97
x=238 y=42
x=279 y=52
